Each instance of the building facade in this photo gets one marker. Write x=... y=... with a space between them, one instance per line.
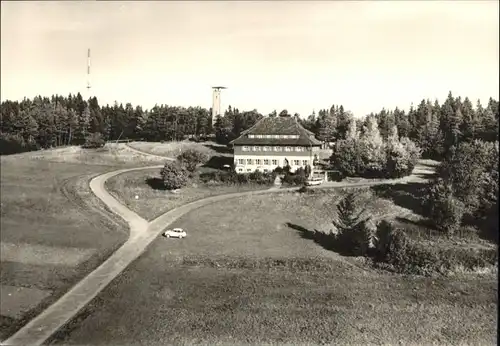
x=274 y=142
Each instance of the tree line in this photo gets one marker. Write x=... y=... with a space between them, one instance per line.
x=434 y=127
x=45 y=122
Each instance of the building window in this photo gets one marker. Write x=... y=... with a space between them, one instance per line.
x=294 y=136
x=245 y=148
x=256 y=148
x=267 y=136
x=251 y=136
x=266 y=148
x=275 y=162
x=266 y=170
x=296 y=162
x=299 y=149
x=305 y=162
x=275 y=136
x=288 y=148
x=266 y=162
x=249 y=161
x=241 y=161
x=285 y=136
x=249 y=170
x=277 y=148
x=258 y=162
x=240 y=169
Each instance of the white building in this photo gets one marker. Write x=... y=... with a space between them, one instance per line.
x=273 y=142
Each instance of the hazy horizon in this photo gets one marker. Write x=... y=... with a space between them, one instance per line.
x=293 y=55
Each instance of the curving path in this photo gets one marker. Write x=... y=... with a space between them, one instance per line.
x=142 y=233
x=131 y=148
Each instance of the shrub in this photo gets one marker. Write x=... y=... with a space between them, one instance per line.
x=294 y=179
x=406 y=256
x=286 y=168
x=303 y=189
x=394 y=247
x=468 y=231
x=278 y=170
x=94 y=141
x=468 y=258
x=191 y=158
x=308 y=171
x=243 y=178
x=15 y=143
x=231 y=177
x=174 y=175
x=356 y=241
x=228 y=177
x=402 y=156
x=382 y=239
x=300 y=176
x=255 y=176
x=443 y=208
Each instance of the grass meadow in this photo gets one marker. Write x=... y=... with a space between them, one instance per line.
x=53 y=232
x=246 y=274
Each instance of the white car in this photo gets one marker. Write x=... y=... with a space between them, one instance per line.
x=175 y=233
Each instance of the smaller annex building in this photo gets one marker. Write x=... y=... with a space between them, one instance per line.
x=274 y=142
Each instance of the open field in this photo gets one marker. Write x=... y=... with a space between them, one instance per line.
x=247 y=274
x=172 y=149
x=53 y=231
x=154 y=200
x=111 y=154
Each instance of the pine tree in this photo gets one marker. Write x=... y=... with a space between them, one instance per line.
x=386 y=122
x=402 y=123
x=468 y=125
x=327 y=126
x=353 y=236
x=343 y=122
x=284 y=113
x=451 y=118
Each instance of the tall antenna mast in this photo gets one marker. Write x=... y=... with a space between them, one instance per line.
x=88 y=73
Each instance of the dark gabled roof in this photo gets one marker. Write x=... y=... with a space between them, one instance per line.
x=277 y=126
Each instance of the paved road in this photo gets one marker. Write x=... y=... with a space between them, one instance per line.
x=141 y=235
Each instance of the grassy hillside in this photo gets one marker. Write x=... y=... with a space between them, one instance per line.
x=54 y=231
x=247 y=275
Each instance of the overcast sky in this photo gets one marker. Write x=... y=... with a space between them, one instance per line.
x=271 y=54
